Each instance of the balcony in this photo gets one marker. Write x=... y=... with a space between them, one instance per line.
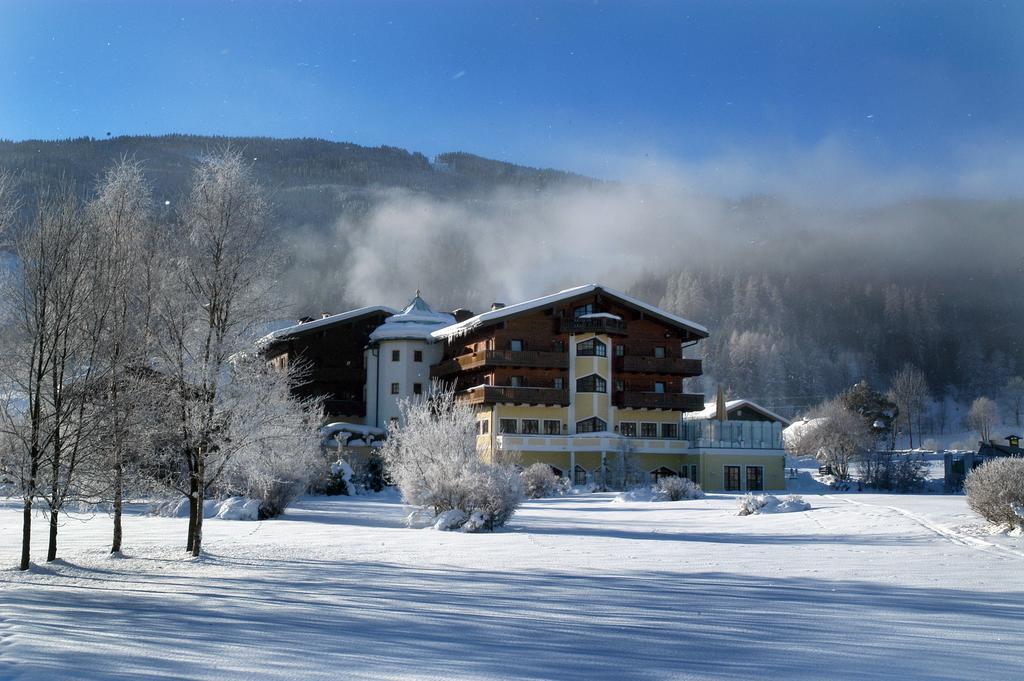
x=669 y=401
x=659 y=365
x=506 y=394
x=501 y=358
x=603 y=325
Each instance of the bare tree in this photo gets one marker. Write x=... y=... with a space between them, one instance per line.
x=909 y=391
x=983 y=417
x=212 y=298
x=837 y=437
x=120 y=215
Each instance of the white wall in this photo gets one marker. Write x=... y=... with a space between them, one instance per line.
x=381 y=405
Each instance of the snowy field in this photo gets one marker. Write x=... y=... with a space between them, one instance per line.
x=862 y=586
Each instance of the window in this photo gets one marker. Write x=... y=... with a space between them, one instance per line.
x=552 y=427
x=732 y=478
x=755 y=478
x=620 y=350
x=417 y=388
x=516 y=345
x=396 y=355
x=417 y=355
x=579 y=475
x=648 y=430
x=620 y=385
x=393 y=420
x=394 y=388
x=627 y=429
x=531 y=427
x=659 y=352
x=516 y=381
x=485 y=427
x=659 y=387
x=583 y=310
x=591 y=384
x=559 y=383
x=592 y=348
x=591 y=425
x=660 y=473
x=507 y=426
x=669 y=430
x=558 y=345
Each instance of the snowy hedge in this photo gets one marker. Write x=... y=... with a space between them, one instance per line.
x=676 y=489
x=539 y=480
x=751 y=504
x=995 y=491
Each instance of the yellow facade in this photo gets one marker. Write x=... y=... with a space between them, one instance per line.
x=713 y=469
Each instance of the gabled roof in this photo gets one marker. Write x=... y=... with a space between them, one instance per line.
x=299 y=329
x=501 y=314
x=710 y=408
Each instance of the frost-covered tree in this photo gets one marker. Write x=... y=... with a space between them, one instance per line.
x=1013 y=395
x=432 y=457
x=837 y=437
x=983 y=417
x=215 y=289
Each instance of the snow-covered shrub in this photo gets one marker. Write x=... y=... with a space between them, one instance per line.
x=434 y=462
x=995 y=489
x=676 y=489
x=539 y=481
x=753 y=504
x=339 y=479
x=239 y=508
x=891 y=471
x=419 y=518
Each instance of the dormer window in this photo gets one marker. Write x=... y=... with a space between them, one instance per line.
x=516 y=345
x=591 y=348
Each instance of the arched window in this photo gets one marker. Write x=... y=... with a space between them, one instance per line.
x=591 y=425
x=592 y=348
x=579 y=475
x=591 y=384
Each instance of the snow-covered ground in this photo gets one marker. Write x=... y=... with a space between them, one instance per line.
x=863 y=586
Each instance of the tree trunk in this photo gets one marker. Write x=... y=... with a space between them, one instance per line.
x=197 y=539
x=115 y=546
x=51 y=549
x=26 y=534
x=191 y=523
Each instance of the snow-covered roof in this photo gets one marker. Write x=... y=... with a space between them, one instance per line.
x=509 y=310
x=303 y=327
x=417 y=321
x=710 y=409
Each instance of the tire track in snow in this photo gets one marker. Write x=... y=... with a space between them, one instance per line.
x=945 y=532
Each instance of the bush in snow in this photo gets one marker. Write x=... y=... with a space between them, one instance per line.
x=891 y=471
x=751 y=504
x=433 y=460
x=339 y=479
x=996 y=489
x=676 y=489
x=539 y=481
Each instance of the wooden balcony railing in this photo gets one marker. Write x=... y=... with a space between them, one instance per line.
x=494 y=394
x=501 y=358
x=650 y=400
x=605 y=325
x=659 y=365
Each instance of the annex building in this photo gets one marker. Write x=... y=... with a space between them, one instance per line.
x=573 y=379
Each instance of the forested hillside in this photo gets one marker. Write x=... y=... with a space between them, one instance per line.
x=803 y=296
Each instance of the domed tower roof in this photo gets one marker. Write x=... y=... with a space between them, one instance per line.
x=416 y=322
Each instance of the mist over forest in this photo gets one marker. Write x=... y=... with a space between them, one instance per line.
x=806 y=286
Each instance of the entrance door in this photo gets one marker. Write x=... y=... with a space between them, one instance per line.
x=755 y=478
x=732 y=479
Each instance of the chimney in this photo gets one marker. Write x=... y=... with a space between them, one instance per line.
x=497 y=306
x=325 y=315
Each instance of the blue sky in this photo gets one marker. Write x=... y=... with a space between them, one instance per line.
x=577 y=85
